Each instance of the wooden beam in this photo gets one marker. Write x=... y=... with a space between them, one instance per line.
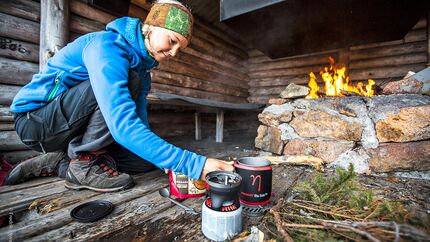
x=7 y=93
x=198 y=126
x=16 y=72
x=54 y=28
x=19 y=50
x=18 y=28
x=428 y=38
x=343 y=57
x=219 y=126
x=9 y=141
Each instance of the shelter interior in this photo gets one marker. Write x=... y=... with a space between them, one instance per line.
x=220 y=66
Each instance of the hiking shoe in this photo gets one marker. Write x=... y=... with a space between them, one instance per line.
x=97 y=173
x=39 y=166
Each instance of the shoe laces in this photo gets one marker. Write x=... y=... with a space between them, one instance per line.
x=105 y=164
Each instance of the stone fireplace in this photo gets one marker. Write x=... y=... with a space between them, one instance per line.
x=389 y=133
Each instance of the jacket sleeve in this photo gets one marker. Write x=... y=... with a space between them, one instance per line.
x=141 y=103
x=108 y=64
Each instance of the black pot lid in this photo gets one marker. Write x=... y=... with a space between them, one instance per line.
x=92 y=211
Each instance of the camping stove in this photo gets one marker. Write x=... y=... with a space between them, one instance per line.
x=222 y=212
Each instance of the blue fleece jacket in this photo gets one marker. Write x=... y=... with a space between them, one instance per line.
x=105 y=58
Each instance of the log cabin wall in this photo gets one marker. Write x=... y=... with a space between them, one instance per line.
x=382 y=62
x=212 y=67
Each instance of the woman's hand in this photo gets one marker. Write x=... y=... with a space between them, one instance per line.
x=216 y=165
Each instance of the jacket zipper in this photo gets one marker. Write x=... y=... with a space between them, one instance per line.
x=54 y=89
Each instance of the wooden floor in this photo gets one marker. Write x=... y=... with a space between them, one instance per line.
x=140 y=213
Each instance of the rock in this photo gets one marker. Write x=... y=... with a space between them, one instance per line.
x=409 y=124
x=418 y=83
x=294 y=91
x=277 y=101
x=314 y=124
x=269 y=139
x=287 y=132
x=411 y=156
x=328 y=150
x=275 y=114
x=358 y=157
x=270 y=119
x=352 y=109
x=380 y=106
x=403 y=86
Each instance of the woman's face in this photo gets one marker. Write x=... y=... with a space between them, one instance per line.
x=165 y=44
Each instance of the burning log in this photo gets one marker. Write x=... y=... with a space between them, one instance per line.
x=337 y=82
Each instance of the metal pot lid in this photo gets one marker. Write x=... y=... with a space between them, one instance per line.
x=223 y=179
x=92 y=211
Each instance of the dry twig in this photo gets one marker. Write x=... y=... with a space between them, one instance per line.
x=278 y=221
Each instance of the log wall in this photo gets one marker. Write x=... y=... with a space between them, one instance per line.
x=212 y=67
x=383 y=62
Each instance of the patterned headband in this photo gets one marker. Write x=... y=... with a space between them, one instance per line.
x=171 y=16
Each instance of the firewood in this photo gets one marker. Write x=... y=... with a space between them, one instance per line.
x=316 y=162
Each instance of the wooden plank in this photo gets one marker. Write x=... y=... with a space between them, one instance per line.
x=9 y=141
x=231 y=66
x=137 y=12
x=7 y=93
x=133 y=213
x=268 y=82
x=83 y=26
x=219 y=126
x=198 y=126
x=19 y=50
x=196 y=93
x=263 y=58
x=390 y=50
x=261 y=99
x=84 y=10
x=7 y=126
x=292 y=62
x=5 y=114
x=18 y=28
x=385 y=72
x=276 y=90
x=26 y=9
x=422 y=23
x=375 y=45
x=29 y=184
x=16 y=72
x=405 y=59
x=54 y=28
x=174 y=66
x=285 y=72
x=428 y=37
x=168 y=78
x=53 y=224
x=416 y=35
x=19 y=200
x=199 y=62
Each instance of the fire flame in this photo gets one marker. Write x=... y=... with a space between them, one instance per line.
x=337 y=83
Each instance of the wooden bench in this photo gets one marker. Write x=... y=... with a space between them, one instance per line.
x=203 y=106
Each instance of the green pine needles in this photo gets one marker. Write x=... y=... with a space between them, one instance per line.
x=338 y=208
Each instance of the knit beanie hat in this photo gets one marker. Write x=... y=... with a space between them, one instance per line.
x=171 y=16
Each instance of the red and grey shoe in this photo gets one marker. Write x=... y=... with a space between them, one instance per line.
x=97 y=172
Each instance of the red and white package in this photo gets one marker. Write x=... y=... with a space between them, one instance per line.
x=183 y=187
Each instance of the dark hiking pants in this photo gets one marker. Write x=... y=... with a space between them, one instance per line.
x=73 y=123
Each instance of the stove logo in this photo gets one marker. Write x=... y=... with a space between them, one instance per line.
x=254 y=179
